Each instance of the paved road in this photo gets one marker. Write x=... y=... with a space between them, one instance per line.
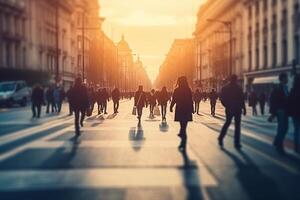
x=115 y=159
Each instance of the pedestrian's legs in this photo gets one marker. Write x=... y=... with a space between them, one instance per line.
x=48 y=107
x=82 y=111
x=282 y=128
x=229 y=117
x=53 y=107
x=197 y=107
x=70 y=109
x=213 y=108
x=237 y=130
x=33 y=110
x=262 y=108
x=39 y=108
x=139 y=112
x=183 y=135
x=76 y=122
x=117 y=106
x=296 y=135
x=105 y=107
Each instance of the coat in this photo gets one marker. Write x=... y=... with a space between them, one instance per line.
x=293 y=103
x=183 y=98
x=37 y=96
x=79 y=97
x=140 y=99
x=278 y=100
x=232 y=98
x=115 y=95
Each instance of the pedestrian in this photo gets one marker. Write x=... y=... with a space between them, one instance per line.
x=92 y=98
x=58 y=98
x=232 y=98
x=294 y=111
x=152 y=102
x=68 y=95
x=50 y=100
x=115 y=95
x=279 y=109
x=140 y=101
x=197 y=99
x=183 y=98
x=80 y=102
x=213 y=96
x=37 y=98
x=163 y=98
x=253 y=100
x=104 y=100
x=99 y=101
x=262 y=102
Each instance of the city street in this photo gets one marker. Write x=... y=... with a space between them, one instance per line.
x=116 y=159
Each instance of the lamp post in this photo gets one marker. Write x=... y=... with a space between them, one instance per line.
x=228 y=25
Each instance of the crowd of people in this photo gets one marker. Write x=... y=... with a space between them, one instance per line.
x=82 y=98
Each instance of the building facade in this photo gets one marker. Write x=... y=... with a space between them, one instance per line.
x=273 y=44
x=220 y=40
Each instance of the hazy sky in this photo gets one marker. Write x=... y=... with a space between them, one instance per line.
x=150 y=26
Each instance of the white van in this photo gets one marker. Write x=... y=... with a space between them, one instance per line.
x=14 y=92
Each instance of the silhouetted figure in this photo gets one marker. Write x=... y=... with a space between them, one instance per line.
x=99 y=101
x=80 y=102
x=232 y=98
x=68 y=95
x=183 y=98
x=105 y=99
x=140 y=101
x=253 y=100
x=115 y=95
x=163 y=98
x=58 y=94
x=213 y=96
x=92 y=99
x=279 y=108
x=197 y=99
x=294 y=110
x=50 y=100
x=262 y=102
x=37 y=98
x=152 y=102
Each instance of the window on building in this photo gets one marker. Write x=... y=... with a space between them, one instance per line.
x=250 y=11
x=274 y=2
x=297 y=49
x=79 y=42
x=265 y=56
x=257 y=58
x=274 y=54
x=250 y=60
x=257 y=7
x=265 y=5
x=284 y=52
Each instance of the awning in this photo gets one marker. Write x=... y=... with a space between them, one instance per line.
x=266 y=80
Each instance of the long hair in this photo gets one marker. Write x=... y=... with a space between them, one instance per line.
x=182 y=82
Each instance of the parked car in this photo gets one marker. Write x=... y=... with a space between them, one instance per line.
x=14 y=92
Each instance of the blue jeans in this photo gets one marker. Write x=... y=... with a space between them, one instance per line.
x=296 y=134
x=282 y=128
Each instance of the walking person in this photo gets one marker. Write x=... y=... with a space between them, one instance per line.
x=115 y=95
x=99 y=101
x=140 y=101
x=163 y=98
x=294 y=111
x=197 y=99
x=253 y=102
x=232 y=98
x=80 y=102
x=183 y=98
x=152 y=102
x=279 y=108
x=37 y=98
x=50 y=100
x=58 y=98
x=262 y=102
x=92 y=99
x=105 y=99
x=68 y=95
x=213 y=96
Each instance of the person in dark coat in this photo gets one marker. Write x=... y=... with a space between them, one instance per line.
x=50 y=100
x=253 y=100
x=115 y=95
x=183 y=98
x=197 y=99
x=152 y=102
x=279 y=108
x=163 y=98
x=294 y=111
x=140 y=101
x=105 y=99
x=262 y=102
x=213 y=96
x=37 y=98
x=232 y=98
x=80 y=102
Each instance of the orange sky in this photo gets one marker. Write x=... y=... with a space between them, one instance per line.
x=150 y=26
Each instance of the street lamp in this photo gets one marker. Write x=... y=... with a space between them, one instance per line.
x=228 y=25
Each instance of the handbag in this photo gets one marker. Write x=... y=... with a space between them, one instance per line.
x=134 y=109
x=156 y=111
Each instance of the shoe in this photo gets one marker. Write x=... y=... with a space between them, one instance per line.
x=280 y=150
x=238 y=146
x=81 y=124
x=180 y=135
x=105 y=113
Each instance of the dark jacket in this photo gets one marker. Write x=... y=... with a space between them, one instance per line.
x=278 y=100
x=163 y=97
x=183 y=98
x=37 y=96
x=253 y=99
x=213 y=96
x=140 y=99
x=293 y=103
x=197 y=96
x=115 y=94
x=79 y=97
x=232 y=98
